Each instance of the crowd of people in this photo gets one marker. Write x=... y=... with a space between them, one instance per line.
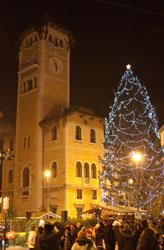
x=108 y=234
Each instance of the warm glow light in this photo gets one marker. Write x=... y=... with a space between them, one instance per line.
x=136 y=156
x=47 y=173
x=131 y=181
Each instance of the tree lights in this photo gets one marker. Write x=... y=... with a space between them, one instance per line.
x=132 y=149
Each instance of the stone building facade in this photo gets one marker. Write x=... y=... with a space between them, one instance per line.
x=49 y=134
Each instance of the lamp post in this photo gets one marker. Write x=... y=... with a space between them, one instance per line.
x=137 y=157
x=47 y=174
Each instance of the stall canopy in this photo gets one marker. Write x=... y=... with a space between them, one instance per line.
x=112 y=210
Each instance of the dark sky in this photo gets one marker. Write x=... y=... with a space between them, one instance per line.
x=108 y=35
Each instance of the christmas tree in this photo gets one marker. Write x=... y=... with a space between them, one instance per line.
x=132 y=168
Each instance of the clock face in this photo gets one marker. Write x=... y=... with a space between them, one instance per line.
x=55 y=66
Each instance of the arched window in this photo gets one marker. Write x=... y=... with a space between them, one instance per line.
x=54 y=169
x=54 y=133
x=92 y=136
x=10 y=176
x=24 y=142
x=93 y=170
x=86 y=170
x=26 y=177
x=78 y=133
x=78 y=169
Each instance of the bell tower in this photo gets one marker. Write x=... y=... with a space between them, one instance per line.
x=43 y=88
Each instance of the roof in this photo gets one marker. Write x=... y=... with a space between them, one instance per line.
x=65 y=112
x=106 y=209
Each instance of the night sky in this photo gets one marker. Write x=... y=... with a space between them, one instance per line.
x=108 y=35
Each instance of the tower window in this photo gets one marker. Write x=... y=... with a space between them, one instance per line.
x=24 y=142
x=55 y=42
x=26 y=177
x=93 y=171
x=78 y=169
x=54 y=169
x=78 y=133
x=54 y=134
x=10 y=176
x=24 y=86
x=92 y=136
x=29 y=84
x=61 y=43
x=86 y=170
x=94 y=194
x=79 y=193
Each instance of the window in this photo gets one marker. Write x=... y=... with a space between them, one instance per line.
x=10 y=176
x=29 y=84
x=78 y=133
x=92 y=136
x=24 y=142
x=94 y=194
x=54 y=134
x=93 y=170
x=55 y=42
x=79 y=212
x=79 y=193
x=78 y=169
x=24 y=86
x=86 y=170
x=26 y=177
x=54 y=169
x=61 y=43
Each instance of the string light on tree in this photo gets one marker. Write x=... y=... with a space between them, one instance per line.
x=131 y=127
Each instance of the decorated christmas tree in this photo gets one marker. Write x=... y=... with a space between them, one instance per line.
x=132 y=168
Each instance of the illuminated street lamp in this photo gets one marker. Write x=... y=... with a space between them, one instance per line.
x=47 y=174
x=137 y=157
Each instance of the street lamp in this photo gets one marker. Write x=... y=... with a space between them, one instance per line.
x=137 y=157
x=47 y=174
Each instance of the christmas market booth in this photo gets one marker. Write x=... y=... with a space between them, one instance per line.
x=105 y=211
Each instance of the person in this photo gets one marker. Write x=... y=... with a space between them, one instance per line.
x=31 y=238
x=73 y=234
x=65 y=240
x=49 y=240
x=109 y=234
x=100 y=236
x=38 y=235
x=82 y=242
x=147 y=239
x=136 y=234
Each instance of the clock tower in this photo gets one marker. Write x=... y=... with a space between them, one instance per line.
x=43 y=89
